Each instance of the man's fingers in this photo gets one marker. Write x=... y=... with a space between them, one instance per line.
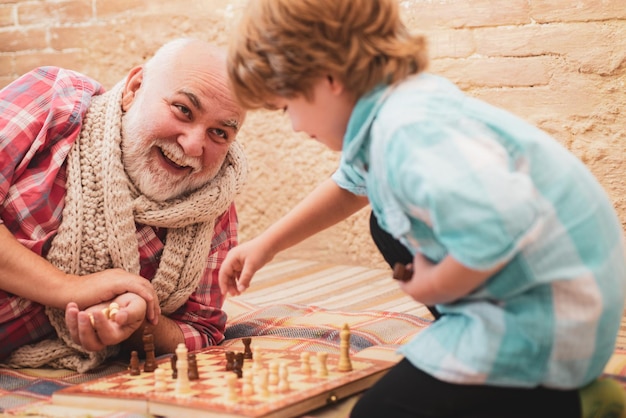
x=147 y=292
x=87 y=332
x=71 y=320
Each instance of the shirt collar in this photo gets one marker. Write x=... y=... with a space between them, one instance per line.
x=361 y=120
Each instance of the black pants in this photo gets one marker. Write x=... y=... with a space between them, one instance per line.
x=407 y=392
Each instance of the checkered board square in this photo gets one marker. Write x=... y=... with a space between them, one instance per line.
x=209 y=395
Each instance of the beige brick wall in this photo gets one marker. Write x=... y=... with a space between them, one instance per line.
x=560 y=64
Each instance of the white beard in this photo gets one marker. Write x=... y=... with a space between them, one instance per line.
x=142 y=169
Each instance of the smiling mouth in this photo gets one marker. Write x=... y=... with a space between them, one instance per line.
x=171 y=160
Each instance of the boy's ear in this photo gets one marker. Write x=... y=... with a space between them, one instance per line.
x=336 y=86
x=133 y=83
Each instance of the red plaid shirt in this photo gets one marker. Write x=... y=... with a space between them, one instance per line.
x=40 y=118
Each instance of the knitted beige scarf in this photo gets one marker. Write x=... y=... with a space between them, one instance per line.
x=98 y=228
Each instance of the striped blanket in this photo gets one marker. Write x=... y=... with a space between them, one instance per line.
x=291 y=304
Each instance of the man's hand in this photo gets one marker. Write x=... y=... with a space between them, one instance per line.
x=105 y=331
x=104 y=286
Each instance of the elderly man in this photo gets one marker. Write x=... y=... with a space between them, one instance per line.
x=103 y=190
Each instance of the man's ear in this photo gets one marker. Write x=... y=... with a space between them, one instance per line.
x=133 y=83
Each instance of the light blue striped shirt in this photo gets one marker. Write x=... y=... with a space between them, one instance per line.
x=449 y=174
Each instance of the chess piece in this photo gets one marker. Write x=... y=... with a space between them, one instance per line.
x=402 y=272
x=247 y=388
x=230 y=360
x=344 y=365
x=257 y=362
x=182 y=381
x=160 y=382
x=247 y=352
x=148 y=346
x=192 y=373
x=283 y=382
x=134 y=364
x=305 y=363
x=231 y=392
x=262 y=383
x=273 y=373
x=173 y=360
x=113 y=310
x=238 y=364
x=322 y=368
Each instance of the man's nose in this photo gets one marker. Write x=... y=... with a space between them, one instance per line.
x=192 y=142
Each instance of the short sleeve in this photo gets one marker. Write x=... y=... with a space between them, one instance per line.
x=480 y=202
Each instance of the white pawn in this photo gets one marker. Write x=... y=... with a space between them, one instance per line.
x=305 y=363
x=261 y=381
x=273 y=377
x=160 y=382
x=322 y=369
x=231 y=382
x=283 y=383
x=247 y=389
x=257 y=362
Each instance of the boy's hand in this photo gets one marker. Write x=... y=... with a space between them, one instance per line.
x=239 y=267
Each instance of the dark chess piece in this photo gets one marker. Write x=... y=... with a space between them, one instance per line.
x=230 y=359
x=173 y=360
x=247 y=352
x=148 y=346
x=134 y=364
x=192 y=371
x=238 y=364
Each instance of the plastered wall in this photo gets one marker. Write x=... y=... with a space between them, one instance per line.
x=560 y=64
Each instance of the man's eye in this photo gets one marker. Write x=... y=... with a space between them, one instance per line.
x=219 y=132
x=184 y=109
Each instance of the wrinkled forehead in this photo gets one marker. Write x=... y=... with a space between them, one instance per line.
x=208 y=92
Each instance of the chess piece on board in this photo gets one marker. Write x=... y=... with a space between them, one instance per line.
x=248 y=388
x=231 y=383
x=134 y=364
x=344 y=365
x=238 y=364
x=305 y=363
x=262 y=383
x=257 y=362
x=230 y=360
x=192 y=362
x=247 y=351
x=173 y=360
x=148 y=346
x=160 y=381
x=182 y=381
x=283 y=380
x=322 y=368
x=273 y=374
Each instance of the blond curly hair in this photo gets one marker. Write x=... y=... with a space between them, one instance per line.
x=282 y=47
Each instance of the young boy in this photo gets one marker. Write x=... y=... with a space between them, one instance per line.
x=507 y=233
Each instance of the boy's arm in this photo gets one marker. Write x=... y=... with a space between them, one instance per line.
x=445 y=282
x=325 y=206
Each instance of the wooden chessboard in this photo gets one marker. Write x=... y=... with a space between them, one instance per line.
x=210 y=396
